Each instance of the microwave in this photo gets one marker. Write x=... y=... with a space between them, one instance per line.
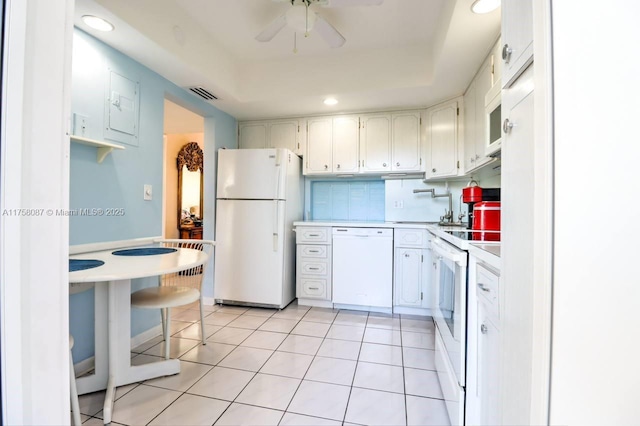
x=493 y=117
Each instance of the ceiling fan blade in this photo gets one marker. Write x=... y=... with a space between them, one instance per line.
x=328 y=33
x=350 y=3
x=272 y=29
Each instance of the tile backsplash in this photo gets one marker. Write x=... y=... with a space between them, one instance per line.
x=347 y=200
x=386 y=200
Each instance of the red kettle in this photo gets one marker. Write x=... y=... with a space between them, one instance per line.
x=472 y=193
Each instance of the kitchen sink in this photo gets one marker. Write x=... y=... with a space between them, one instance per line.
x=461 y=224
x=415 y=222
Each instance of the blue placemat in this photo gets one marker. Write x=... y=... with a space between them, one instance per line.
x=80 y=264
x=144 y=251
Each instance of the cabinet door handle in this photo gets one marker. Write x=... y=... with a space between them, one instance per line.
x=384 y=164
x=506 y=53
x=397 y=164
x=314 y=269
x=507 y=125
x=483 y=329
x=483 y=287
x=314 y=235
x=326 y=167
x=406 y=255
x=433 y=170
x=314 y=251
x=338 y=166
x=314 y=288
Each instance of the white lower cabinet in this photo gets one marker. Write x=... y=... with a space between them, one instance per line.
x=483 y=378
x=412 y=270
x=313 y=266
x=412 y=280
x=488 y=367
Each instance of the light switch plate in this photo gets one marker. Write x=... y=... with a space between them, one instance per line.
x=79 y=125
x=148 y=192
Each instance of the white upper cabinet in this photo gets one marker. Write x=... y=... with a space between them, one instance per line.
x=284 y=134
x=375 y=143
x=517 y=38
x=319 y=154
x=470 y=126
x=252 y=135
x=442 y=140
x=496 y=63
x=345 y=144
x=475 y=119
x=405 y=142
x=271 y=134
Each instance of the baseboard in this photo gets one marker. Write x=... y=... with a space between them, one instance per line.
x=209 y=301
x=406 y=310
x=86 y=365
x=146 y=335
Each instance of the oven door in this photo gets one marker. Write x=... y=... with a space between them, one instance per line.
x=451 y=303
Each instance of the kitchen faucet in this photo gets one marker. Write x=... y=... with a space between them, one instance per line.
x=448 y=216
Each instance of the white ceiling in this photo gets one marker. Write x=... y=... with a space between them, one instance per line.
x=400 y=54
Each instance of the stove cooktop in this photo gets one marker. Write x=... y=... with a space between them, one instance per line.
x=472 y=235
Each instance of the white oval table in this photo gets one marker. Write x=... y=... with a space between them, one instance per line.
x=113 y=317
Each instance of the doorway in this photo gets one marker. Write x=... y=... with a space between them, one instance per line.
x=181 y=127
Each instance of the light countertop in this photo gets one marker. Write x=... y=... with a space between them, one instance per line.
x=379 y=224
x=489 y=253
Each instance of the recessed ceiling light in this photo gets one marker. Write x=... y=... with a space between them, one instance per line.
x=330 y=101
x=97 y=23
x=485 y=6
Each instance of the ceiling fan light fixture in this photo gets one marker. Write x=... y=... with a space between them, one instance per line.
x=97 y=23
x=330 y=101
x=484 y=6
x=300 y=18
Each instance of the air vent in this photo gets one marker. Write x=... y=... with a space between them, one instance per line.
x=203 y=93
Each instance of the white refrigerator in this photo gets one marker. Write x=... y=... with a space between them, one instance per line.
x=260 y=193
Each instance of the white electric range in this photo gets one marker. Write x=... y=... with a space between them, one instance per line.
x=450 y=247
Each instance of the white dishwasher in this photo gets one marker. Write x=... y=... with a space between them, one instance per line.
x=363 y=266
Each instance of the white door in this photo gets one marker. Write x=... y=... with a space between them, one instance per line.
x=406 y=141
x=443 y=140
x=345 y=144
x=284 y=134
x=252 y=174
x=375 y=143
x=408 y=272
x=517 y=38
x=249 y=251
x=252 y=135
x=319 y=146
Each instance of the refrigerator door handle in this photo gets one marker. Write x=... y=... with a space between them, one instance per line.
x=276 y=215
x=278 y=172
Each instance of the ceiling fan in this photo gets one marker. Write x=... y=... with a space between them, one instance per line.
x=302 y=19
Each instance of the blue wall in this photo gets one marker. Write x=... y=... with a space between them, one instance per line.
x=118 y=181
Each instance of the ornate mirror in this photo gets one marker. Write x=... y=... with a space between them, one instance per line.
x=190 y=184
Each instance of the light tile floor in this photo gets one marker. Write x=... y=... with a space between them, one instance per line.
x=297 y=366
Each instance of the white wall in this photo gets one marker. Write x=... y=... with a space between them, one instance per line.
x=35 y=175
x=596 y=296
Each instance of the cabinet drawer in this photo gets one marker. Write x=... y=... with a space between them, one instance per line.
x=410 y=238
x=305 y=234
x=313 y=288
x=488 y=286
x=319 y=251
x=312 y=267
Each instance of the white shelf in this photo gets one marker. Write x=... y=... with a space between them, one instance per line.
x=104 y=148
